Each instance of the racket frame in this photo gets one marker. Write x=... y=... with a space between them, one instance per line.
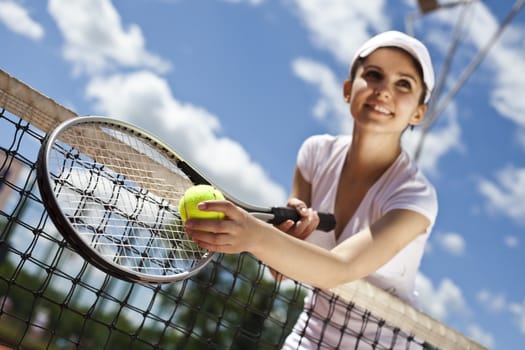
x=68 y=231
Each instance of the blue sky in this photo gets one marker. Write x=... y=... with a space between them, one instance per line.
x=235 y=86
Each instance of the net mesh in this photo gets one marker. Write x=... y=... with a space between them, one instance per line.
x=50 y=298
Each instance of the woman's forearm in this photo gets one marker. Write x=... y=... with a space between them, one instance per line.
x=303 y=261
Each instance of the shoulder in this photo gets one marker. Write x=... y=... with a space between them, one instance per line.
x=319 y=152
x=405 y=170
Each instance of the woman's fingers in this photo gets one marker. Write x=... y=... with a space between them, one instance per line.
x=306 y=225
x=286 y=226
x=308 y=221
x=236 y=233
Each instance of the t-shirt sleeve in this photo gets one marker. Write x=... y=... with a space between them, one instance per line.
x=418 y=195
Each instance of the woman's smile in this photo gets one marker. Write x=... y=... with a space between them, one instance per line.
x=379 y=109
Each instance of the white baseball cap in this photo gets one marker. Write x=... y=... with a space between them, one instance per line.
x=403 y=41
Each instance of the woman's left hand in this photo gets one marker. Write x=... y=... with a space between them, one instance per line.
x=308 y=222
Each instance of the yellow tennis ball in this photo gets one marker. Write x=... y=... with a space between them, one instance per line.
x=193 y=196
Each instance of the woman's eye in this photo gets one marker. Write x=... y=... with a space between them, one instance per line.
x=374 y=75
x=405 y=84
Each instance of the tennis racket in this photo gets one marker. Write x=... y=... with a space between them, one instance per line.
x=112 y=190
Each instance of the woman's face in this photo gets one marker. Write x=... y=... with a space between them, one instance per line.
x=385 y=93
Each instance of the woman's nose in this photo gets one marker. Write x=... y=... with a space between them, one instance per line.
x=381 y=89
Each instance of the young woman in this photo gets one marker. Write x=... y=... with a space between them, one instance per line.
x=384 y=206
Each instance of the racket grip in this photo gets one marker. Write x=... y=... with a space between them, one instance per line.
x=281 y=214
x=326 y=222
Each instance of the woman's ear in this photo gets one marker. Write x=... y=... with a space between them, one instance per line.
x=419 y=115
x=347 y=90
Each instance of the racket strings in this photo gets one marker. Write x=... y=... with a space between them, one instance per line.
x=114 y=189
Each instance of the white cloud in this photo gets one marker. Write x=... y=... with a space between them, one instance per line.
x=18 y=20
x=440 y=302
x=452 y=242
x=95 y=39
x=508 y=51
x=518 y=310
x=498 y=303
x=446 y=301
x=443 y=138
x=249 y=2
x=511 y=241
x=341 y=28
x=482 y=336
x=492 y=302
x=145 y=99
x=331 y=106
x=506 y=195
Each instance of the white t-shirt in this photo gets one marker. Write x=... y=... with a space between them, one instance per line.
x=402 y=186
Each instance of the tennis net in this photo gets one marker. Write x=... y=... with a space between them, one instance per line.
x=50 y=298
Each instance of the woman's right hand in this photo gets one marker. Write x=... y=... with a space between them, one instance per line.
x=308 y=222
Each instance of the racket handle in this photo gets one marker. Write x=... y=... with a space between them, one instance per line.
x=281 y=214
x=326 y=222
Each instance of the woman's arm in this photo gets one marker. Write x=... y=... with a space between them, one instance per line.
x=357 y=257
x=301 y=189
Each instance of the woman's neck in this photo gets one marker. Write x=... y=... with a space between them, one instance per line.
x=369 y=156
